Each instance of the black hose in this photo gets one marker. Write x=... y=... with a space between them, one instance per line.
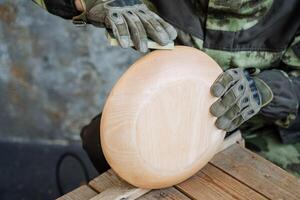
x=58 y=166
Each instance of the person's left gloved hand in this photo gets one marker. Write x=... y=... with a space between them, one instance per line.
x=129 y=20
x=241 y=95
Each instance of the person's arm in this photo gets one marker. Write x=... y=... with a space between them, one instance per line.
x=275 y=94
x=66 y=9
x=289 y=127
x=130 y=21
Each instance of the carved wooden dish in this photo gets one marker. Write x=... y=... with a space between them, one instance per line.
x=156 y=129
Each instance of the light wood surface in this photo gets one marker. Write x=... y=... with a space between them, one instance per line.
x=164 y=194
x=234 y=173
x=258 y=173
x=212 y=183
x=111 y=187
x=235 y=137
x=156 y=129
x=82 y=193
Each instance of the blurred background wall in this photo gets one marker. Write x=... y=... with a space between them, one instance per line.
x=54 y=77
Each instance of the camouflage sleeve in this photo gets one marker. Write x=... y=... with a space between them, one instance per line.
x=292 y=55
x=291 y=65
x=63 y=8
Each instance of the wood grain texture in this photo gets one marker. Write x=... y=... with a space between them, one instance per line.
x=235 y=173
x=258 y=173
x=82 y=193
x=156 y=128
x=119 y=193
x=111 y=187
x=212 y=183
x=164 y=194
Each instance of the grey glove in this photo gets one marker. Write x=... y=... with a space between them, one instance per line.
x=129 y=20
x=241 y=95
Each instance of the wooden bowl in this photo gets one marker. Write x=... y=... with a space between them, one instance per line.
x=156 y=129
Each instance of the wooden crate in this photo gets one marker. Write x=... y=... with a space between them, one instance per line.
x=234 y=173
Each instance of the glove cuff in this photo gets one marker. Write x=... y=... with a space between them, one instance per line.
x=283 y=108
x=265 y=91
x=63 y=8
x=81 y=19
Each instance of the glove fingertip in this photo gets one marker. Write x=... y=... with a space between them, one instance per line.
x=216 y=110
x=220 y=125
x=223 y=123
x=217 y=89
x=163 y=38
x=172 y=32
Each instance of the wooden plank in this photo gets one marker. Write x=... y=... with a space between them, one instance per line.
x=234 y=138
x=82 y=193
x=120 y=193
x=164 y=194
x=257 y=173
x=212 y=183
x=111 y=187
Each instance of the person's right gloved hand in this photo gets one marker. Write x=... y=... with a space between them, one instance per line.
x=129 y=20
x=243 y=93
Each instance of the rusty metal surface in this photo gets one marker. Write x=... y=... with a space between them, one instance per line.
x=54 y=76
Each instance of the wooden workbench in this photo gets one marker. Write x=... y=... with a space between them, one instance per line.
x=235 y=173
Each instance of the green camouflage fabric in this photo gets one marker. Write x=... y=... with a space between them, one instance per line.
x=290 y=58
x=266 y=142
x=229 y=59
x=239 y=14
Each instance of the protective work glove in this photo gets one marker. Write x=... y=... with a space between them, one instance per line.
x=129 y=20
x=241 y=95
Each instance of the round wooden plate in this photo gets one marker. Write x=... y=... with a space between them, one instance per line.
x=156 y=129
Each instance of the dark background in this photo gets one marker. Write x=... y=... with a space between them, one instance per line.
x=54 y=78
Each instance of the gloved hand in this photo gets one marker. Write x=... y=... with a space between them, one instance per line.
x=130 y=20
x=241 y=95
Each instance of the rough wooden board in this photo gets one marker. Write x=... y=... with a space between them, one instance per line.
x=82 y=193
x=258 y=173
x=105 y=181
x=120 y=193
x=164 y=194
x=212 y=183
x=111 y=187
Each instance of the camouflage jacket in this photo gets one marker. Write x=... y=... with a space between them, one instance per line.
x=263 y=34
x=236 y=33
